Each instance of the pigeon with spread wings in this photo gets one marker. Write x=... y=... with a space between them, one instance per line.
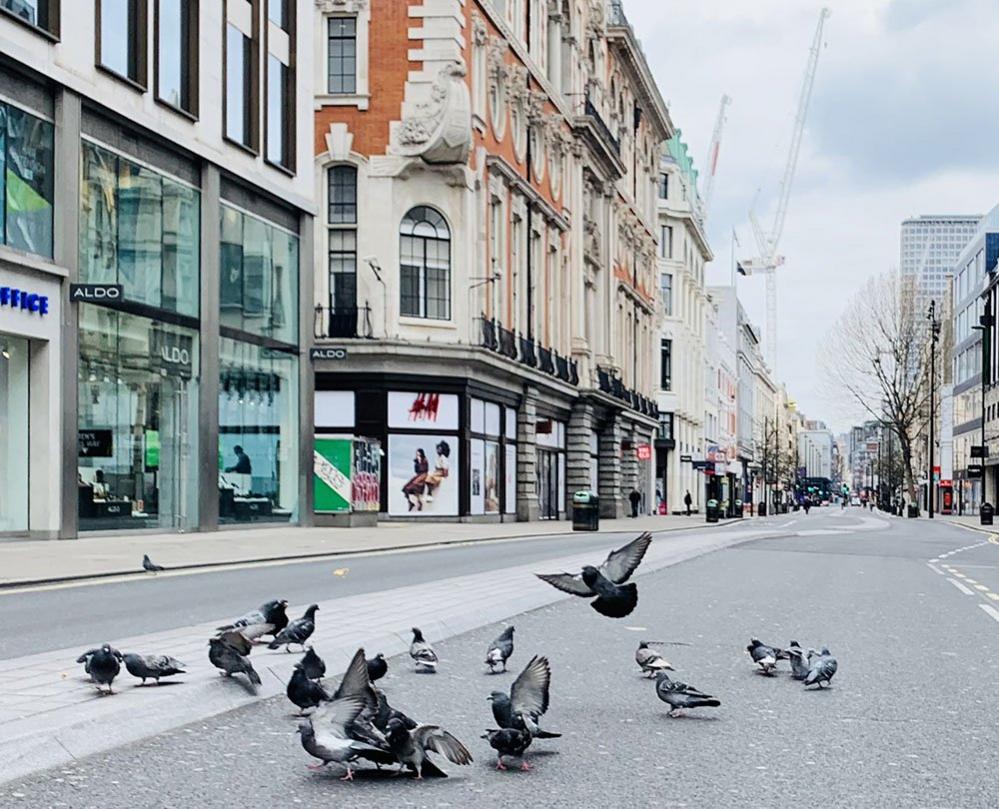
x=614 y=598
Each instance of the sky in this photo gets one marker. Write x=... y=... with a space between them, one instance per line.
x=903 y=121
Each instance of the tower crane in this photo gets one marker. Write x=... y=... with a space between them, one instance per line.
x=712 y=163
x=767 y=243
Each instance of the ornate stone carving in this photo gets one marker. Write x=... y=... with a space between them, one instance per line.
x=536 y=101
x=341 y=6
x=497 y=59
x=480 y=33
x=596 y=21
x=440 y=129
x=591 y=236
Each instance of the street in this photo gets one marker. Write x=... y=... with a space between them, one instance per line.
x=909 y=719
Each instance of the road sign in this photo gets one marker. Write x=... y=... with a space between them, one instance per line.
x=978 y=451
x=644 y=452
x=974 y=470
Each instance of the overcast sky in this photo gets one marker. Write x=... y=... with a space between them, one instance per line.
x=903 y=121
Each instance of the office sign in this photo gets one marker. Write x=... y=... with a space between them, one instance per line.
x=25 y=300
x=327 y=353
x=96 y=293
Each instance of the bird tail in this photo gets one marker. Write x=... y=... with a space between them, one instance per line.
x=705 y=703
x=620 y=605
x=547 y=734
x=252 y=673
x=431 y=770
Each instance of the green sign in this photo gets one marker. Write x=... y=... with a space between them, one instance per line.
x=331 y=474
x=152 y=450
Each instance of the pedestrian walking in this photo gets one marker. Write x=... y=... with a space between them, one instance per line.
x=687 y=500
x=635 y=497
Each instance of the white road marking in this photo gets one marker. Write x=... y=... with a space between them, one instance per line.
x=935 y=569
x=990 y=610
x=961 y=587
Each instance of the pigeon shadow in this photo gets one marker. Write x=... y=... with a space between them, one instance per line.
x=158 y=685
x=695 y=717
x=424 y=671
x=333 y=773
x=242 y=682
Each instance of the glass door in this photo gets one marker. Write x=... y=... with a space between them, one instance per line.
x=13 y=435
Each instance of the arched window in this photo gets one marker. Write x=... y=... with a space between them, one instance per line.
x=424 y=265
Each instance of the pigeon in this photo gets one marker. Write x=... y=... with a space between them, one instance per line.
x=105 y=663
x=149 y=566
x=152 y=667
x=821 y=667
x=268 y=619
x=229 y=652
x=423 y=653
x=764 y=656
x=410 y=747
x=303 y=692
x=500 y=650
x=799 y=665
x=325 y=736
x=85 y=659
x=297 y=631
x=312 y=664
x=649 y=660
x=527 y=701
x=384 y=712
x=615 y=599
x=377 y=667
x=509 y=743
x=680 y=695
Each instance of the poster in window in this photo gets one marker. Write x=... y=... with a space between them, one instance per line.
x=334 y=408
x=423 y=475
x=423 y=411
x=510 y=473
x=367 y=475
x=476 y=503
x=491 y=491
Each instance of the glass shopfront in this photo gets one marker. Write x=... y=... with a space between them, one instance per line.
x=26 y=181
x=13 y=434
x=137 y=453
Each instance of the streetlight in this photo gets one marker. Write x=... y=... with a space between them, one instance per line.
x=931 y=315
x=985 y=322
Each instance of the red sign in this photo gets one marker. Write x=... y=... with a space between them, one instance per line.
x=644 y=452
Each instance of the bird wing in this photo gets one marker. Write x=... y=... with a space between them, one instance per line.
x=237 y=641
x=621 y=563
x=89 y=653
x=432 y=737
x=529 y=692
x=250 y=619
x=421 y=650
x=567 y=583
x=355 y=682
x=338 y=713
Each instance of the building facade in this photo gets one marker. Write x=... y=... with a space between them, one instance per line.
x=153 y=153
x=721 y=410
x=487 y=308
x=928 y=251
x=816 y=450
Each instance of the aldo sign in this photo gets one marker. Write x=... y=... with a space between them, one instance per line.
x=96 y=293
x=25 y=300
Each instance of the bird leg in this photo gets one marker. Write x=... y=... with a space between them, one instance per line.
x=349 y=776
x=524 y=766
x=499 y=764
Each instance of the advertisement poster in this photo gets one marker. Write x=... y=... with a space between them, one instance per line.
x=367 y=475
x=331 y=474
x=511 y=479
x=476 y=503
x=334 y=408
x=423 y=475
x=423 y=411
x=491 y=494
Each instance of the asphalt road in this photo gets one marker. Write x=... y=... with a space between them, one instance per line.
x=909 y=722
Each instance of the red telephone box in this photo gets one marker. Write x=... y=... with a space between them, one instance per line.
x=946 y=497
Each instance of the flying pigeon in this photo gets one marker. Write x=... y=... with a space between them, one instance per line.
x=764 y=656
x=423 y=653
x=152 y=667
x=312 y=664
x=821 y=667
x=410 y=747
x=509 y=743
x=104 y=666
x=229 y=652
x=303 y=692
x=149 y=566
x=325 y=736
x=680 y=695
x=377 y=667
x=649 y=660
x=799 y=665
x=268 y=619
x=297 y=631
x=615 y=599
x=528 y=700
x=500 y=650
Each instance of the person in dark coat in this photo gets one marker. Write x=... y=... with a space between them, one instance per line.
x=242 y=465
x=635 y=497
x=687 y=500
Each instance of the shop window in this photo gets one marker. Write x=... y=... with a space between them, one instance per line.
x=13 y=435
x=40 y=14
x=121 y=38
x=26 y=181
x=176 y=26
x=425 y=265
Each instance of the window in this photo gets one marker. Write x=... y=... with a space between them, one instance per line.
x=425 y=265
x=240 y=86
x=342 y=184
x=666 y=364
x=280 y=85
x=666 y=426
x=666 y=293
x=121 y=40
x=341 y=69
x=663 y=185
x=177 y=53
x=666 y=241
x=277 y=13
x=26 y=181
x=342 y=195
x=42 y=14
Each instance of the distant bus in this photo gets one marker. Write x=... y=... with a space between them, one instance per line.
x=818 y=489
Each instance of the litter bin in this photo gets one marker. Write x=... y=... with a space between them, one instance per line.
x=585 y=511
x=711 y=510
x=913 y=511
x=761 y=509
x=738 y=509
x=987 y=512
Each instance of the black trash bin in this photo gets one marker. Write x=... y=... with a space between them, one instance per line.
x=738 y=509
x=761 y=509
x=986 y=513
x=913 y=511
x=711 y=510
x=585 y=511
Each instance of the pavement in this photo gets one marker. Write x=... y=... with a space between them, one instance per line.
x=27 y=562
x=908 y=722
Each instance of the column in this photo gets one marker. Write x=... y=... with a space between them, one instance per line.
x=306 y=377
x=609 y=471
x=527 y=459
x=577 y=461
x=208 y=339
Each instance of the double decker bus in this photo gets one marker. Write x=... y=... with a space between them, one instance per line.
x=818 y=489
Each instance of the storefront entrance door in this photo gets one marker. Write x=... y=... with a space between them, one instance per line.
x=548 y=483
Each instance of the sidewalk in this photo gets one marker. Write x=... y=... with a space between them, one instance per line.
x=971 y=521
x=24 y=562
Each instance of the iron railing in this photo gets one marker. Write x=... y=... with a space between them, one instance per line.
x=343 y=322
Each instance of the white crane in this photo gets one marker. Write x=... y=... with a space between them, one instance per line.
x=712 y=163
x=769 y=259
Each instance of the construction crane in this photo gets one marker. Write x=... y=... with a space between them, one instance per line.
x=769 y=260
x=712 y=163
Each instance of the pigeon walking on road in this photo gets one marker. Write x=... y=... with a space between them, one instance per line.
x=764 y=656
x=411 y=746
x=527 y=701
x=423 y=653
x=377 y=667
x=149 y=566
x=152 y=667
x=105 y=663
x=325 y=736
x=297 y=631
x=313 y=665
x=267 y=619
x=303 y=692
x=615 y=599
x=229 y=652
x=799 y=665
x=509 y=743
x=650 y=661
x=500 y=650
x=821 y=668
x=680 y=695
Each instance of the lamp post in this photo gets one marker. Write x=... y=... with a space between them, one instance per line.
x=985 y=322
x=934 y=337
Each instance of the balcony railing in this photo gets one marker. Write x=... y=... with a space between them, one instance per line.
x=547 y=364
x=507 y=343
x=602 y=128
x=526 y=350
x=527 y=355
x=342 y=322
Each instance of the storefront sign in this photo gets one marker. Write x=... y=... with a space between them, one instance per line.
x=25 y=300
x=643 y=452
x=95 y=444
x=327 y=353
x=978 y=451
x=96 y=293
x=423 y=411
x=974 y=470
x=173 y=353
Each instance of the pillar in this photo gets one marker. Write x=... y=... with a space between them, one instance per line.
x=612 y=498
x=578 y=459
x=208 y=357
x=527 y=457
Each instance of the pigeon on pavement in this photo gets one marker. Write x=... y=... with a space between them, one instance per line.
x=152 y=667
x=384 y=712
x=821 y=667
x=303 y=692
x=85 y=659
x=615 y=599
x=410 y=747
x=312 y=664
x=423 y=653
x=528 y=700
x=105 y=663
x=680 y=695
x=229 y=652
x=764 y=656
x=297 y=631
x=267 y=619
x=799 y=665
x=377 y=667
x=649 y=660
x=500 y=650
x=509 y=743
x=148 y=565
x=325 y=736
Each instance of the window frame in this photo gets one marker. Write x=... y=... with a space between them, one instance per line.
x=347 y=225
x=141 y=80
x=328 y=39
x=288 y=108
x=422 y=298
x=54 y=11
x=253 y=97
x=666 y=367
x=192 y=42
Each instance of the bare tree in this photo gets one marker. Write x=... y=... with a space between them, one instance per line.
x=878 y=352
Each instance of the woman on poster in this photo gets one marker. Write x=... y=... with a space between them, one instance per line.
x=414 y=488
x=441 y=469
